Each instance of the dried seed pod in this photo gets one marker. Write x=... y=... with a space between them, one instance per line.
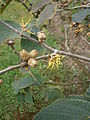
x=1 y=81
x=88 y=34
x=33 y=54
x=41 y=36
x=10 y=42
x=69 y=1
x=24 y=55
x=89 y=25
x=72 y=24
x=32 y=62
x=63 y=1
x=65 y=4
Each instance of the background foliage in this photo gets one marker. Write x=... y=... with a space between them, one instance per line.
x=31 y=96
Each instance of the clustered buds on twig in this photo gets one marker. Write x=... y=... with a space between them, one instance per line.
x=29 y=57
x=33 y=53
x=32 y=62
x=24 y=55
x=41 y=36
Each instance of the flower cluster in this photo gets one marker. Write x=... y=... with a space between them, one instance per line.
x=78 y=27
x=55 y=61
x=25 y=26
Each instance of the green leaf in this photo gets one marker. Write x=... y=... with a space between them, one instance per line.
x=7 y=33
x=25 y=97
x=28 y=97
x=38 y=4
x=52 y=94
x=29 y=45
x=87 y=95
x=80 y=15
x=27 y=82
x=37 y=75
x=46 y=14
x=68 y=109
x=20 y=97
x=23 y=83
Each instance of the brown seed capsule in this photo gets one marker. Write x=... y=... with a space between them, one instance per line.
x=1 y=81
x=72 y=24
x=10 y=42
x=41 y=36
x=24 y=55
x=32 y=62
x=89 y=25
x=69 y=1
x=65 y=4
x=33 y=54
x=88 y=34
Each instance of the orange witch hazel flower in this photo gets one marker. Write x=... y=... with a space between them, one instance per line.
x=55 y=61
x=25 y=26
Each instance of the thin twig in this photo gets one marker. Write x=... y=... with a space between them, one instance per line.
x=66 y=37
x=85 y=40
x=10 y=68
x=15 y=51
x=66 y=84
x=67 y=53
x=42 y=57
x=45 y=45
x=11 y=43
x=18 y=32
x=82 y=6
x=33 y=77
x=76 y=7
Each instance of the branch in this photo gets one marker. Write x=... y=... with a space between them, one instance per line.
x=42 y=57
x=85 y=40
x=76 y=7
x=66 y=37
x=18 y=32
x=67 y=53
x=10 y=68
x=67 y=84
x=15 y=51
x=45 y=45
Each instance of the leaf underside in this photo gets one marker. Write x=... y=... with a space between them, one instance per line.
x=38 y=4
x=69 y=109
x=80 y=15
x=46 y=14
x=7 y=33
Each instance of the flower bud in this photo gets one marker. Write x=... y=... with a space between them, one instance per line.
x=10 y=42
x=1 y=81
x=88 y=34
x=32 y=62
x=24 y=55
x=41 y=36
x=33 y=54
